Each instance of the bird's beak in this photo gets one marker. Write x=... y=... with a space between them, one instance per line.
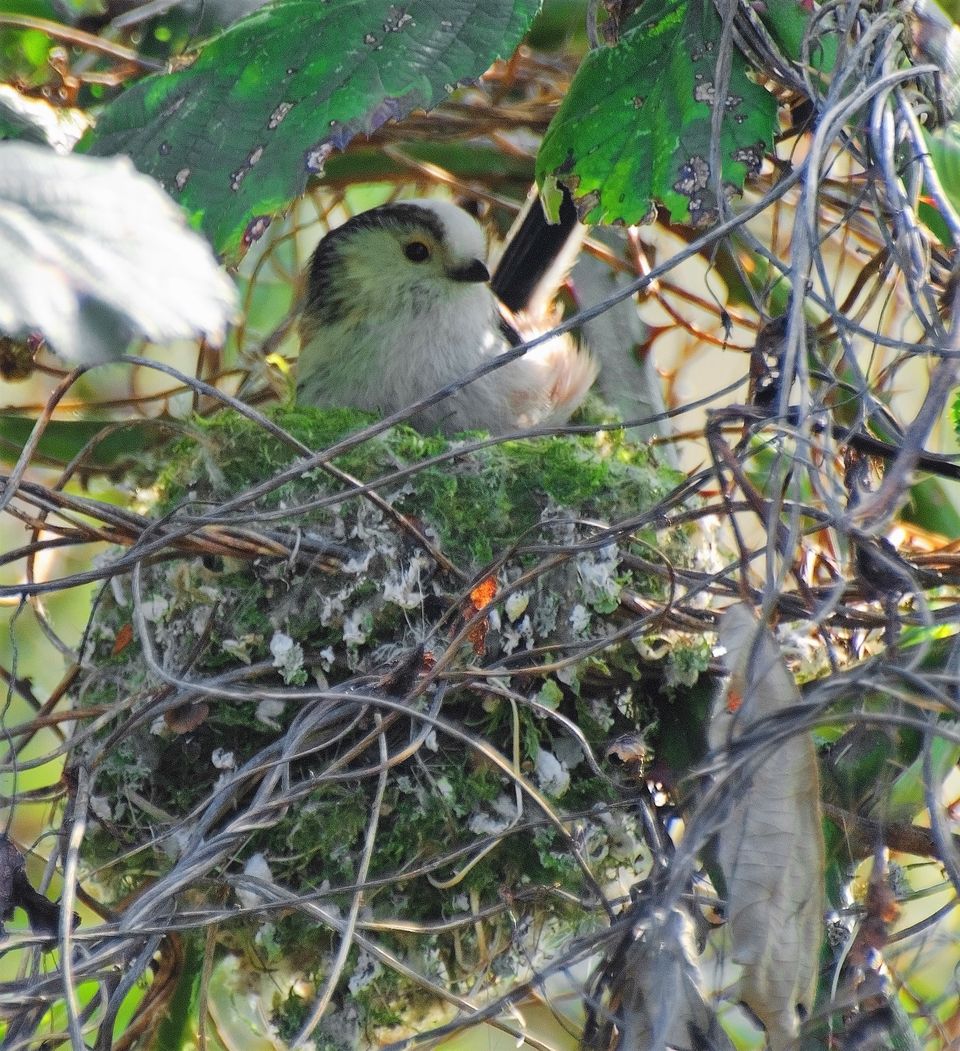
x=475 y=270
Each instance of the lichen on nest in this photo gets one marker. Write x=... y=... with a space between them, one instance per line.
x=506 y=636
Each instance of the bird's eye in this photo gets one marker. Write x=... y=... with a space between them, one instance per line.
x=416 y=252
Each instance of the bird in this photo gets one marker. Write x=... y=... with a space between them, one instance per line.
x=398 y=305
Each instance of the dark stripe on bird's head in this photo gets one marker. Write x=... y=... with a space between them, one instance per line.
x=325 y=302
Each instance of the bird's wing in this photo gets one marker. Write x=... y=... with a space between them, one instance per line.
x=537 y=257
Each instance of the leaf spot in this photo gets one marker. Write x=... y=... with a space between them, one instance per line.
x=705 y=92
x=702 y=212
x=237 y=177
x=278 y=115
x=694 y=175
x=397 y=19
x=388 y=108
x=175 y=104
x=180 y=179
x=751 y=156
x=256 y=228
x=586 y=204
x=316 y=157
x=163 y=149
x=567 y=164
x=370 y=40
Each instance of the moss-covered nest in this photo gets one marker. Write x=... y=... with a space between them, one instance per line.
x=353 y=692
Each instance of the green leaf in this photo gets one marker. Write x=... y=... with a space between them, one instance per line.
x=931 y=507
x=180 y=1016
x=943 y=145
x=788 y=22
x=907 y=796
x=107 y=445
x=79 y=8
x=955 y=413
x=24 y=53
x=235 y=136
x=550 y=694
x=93 y=254
x=634 y=129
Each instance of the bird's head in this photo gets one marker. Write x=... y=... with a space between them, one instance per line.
x=409 y=257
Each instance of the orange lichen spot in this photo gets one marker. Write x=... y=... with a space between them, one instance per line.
x=482 y=594
x=478 y=636
x=123 y=639
x=480 y=597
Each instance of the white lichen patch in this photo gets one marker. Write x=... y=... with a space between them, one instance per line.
x=269 y=711
x=516 y=635
x=287 y=658
x=368 y=969
x=552 y=776
x=357 y=626
x=258 y=867
x=222 y=759
x=600 y=585
x=155 y=609
x=403 y=585
x=482 y=824
x=579 y=619
x=244 y=648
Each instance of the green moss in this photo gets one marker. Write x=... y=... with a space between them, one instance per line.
x=228 y=452
x=301 y=942
x=504 y=510
x=558 y=867
x=484 y=501
x=319 y=837
x=290 y=1015
x=587 y=791
x=384 y=1001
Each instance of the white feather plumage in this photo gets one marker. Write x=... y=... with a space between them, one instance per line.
x=382 y=331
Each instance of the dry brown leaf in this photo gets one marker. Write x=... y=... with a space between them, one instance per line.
x=771 y=846
x=16 y=889
x=663 y=1001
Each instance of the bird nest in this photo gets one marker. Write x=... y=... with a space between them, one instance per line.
x=405 y=716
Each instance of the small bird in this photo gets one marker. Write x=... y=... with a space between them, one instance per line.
x=398 y=305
